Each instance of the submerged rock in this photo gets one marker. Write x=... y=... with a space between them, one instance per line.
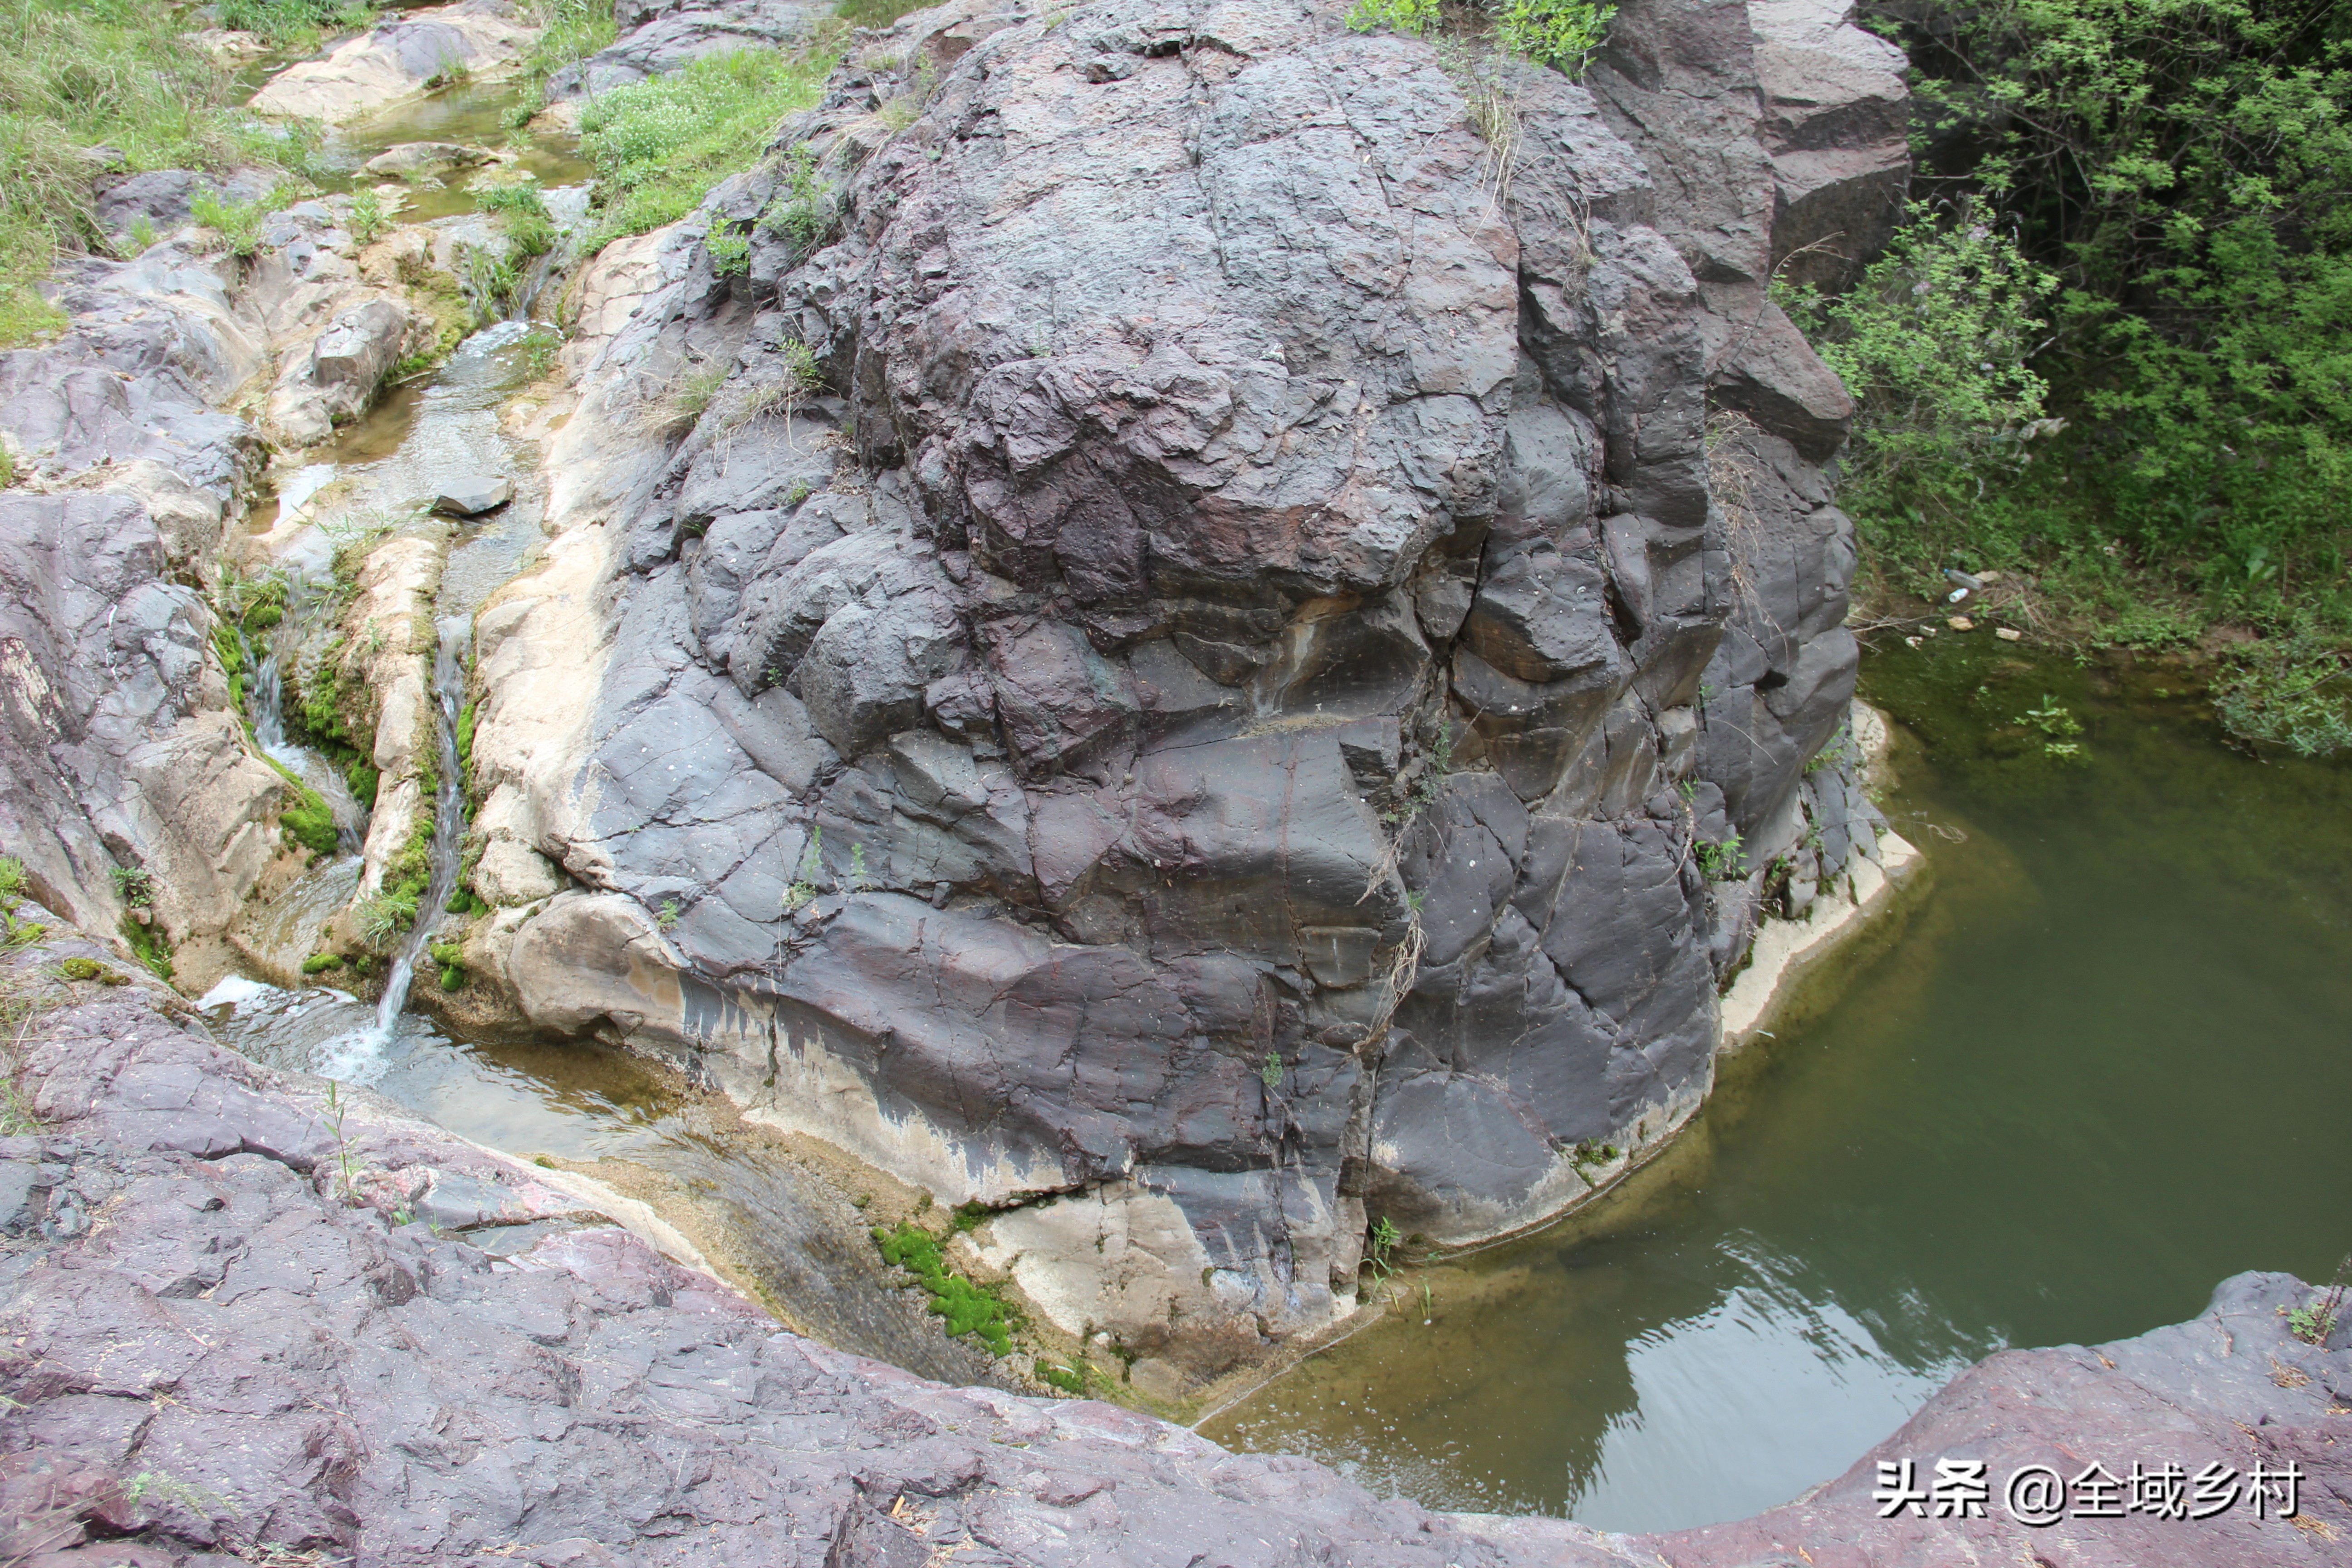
x=473 y=495
x=421 y=160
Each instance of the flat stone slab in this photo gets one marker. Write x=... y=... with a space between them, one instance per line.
x=474 y=495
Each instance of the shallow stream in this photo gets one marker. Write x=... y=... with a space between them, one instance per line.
x=2101 y=1065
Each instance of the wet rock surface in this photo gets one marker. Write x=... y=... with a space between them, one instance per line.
x=399 y=59
x=1202 y=724
x=243 y=1324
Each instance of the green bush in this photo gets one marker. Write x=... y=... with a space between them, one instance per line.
x=1562 y=33
x=2177 y=177
x=659 y=145
x=1934 y=344
x=1565 y=34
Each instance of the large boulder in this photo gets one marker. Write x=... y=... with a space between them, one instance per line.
x=1197 y=734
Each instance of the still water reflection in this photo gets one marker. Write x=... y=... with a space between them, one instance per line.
x=2104 y=1065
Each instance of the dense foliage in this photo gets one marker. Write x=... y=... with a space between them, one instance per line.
x=2137 y=221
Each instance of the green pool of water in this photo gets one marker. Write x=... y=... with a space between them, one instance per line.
x=2105 y=1062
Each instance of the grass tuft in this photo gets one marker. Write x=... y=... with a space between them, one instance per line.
x=90 y=74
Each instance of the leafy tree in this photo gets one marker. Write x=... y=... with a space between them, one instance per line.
x=2176 y=176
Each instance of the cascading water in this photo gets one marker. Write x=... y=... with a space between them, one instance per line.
x=358 y=1056
x=268 y=706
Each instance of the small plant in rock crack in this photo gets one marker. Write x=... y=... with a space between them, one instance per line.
x=133 y=886
x=1724 y=862
x=1270 y=1074
x=857 y=881
x=2313 y=1322
x=14 y=933
x=368 y=220
x=666 y=916
x=346 y=1182
x=731 y=252
x=1588 y=1154
x=803 y=888
x=382 y=916
x=159 y=1488
x=801 y=368
x=1379 y=1249
x=1070 y=1379
x=807 y=210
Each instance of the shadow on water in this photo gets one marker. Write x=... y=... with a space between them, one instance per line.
x=2101 y=1067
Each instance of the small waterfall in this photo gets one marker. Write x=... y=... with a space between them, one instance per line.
x=355 y=1055
x=267 y=701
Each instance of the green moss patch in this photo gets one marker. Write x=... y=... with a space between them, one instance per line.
x=976 y=1310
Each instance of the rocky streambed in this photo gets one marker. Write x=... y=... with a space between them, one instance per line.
x=1200 y=641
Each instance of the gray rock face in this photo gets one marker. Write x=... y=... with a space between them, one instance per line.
x=190 y=1289
x=338 y=378
x=118 y=747
x=166 y=198
x=1201 y=729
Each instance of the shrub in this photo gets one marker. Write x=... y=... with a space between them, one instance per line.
x=1934 y=343
x=1562 y=33
x=2180 y=171
x=1565 y=34
x=731 y=252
